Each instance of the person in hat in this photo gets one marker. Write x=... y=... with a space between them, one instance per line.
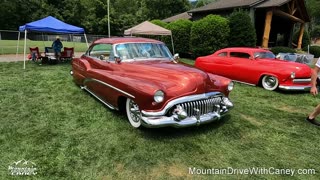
x=57 y=46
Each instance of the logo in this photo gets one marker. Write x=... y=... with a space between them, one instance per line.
x=22 y=168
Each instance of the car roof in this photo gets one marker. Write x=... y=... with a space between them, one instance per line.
x=244 y=49
x=117 y=40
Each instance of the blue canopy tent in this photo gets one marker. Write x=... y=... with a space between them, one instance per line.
x=51 y=25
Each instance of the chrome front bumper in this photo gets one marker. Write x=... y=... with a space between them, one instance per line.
x=295 y=88
x=161 y=118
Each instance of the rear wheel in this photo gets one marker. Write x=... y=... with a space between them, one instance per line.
x=270 y=82
x=133 y=113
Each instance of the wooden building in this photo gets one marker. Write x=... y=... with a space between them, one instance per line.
x=272 y=18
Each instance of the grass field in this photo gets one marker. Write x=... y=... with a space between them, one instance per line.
x=10 y=46
x=45 y=118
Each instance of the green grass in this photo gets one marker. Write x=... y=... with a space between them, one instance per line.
x=47 y=119
x=10 y=46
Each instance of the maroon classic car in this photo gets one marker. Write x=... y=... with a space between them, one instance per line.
x=255 y=66
x=142 y=78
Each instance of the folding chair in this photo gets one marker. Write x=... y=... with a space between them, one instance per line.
x=35 y=54
x=67 y=53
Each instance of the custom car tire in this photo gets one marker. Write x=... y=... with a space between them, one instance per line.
x=270 y=82
x=133 y=113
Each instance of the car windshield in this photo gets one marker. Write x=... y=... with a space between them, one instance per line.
x=264 y=55
x=142 y=51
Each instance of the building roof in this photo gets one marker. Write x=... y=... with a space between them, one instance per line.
x=226 y=4
x=184 y=15
x=272 y=3
x=257 y=4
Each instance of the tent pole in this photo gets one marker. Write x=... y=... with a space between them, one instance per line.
x=44 y=45
x=25 y=48
x=172 y=44
x=18 y=43
x=86 y=39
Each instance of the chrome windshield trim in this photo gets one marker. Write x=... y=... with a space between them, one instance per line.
x=108 y=85
x=181 y=100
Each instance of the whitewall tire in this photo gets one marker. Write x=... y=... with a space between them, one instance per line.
x=270 y=82
x=133 y=113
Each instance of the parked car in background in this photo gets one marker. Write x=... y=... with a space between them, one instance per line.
x=141 y=77
x=257 y=66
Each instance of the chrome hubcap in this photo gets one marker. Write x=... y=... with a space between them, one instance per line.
x=270 y=81
x=134 y=112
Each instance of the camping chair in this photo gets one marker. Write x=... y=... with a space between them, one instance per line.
x=67 y=53
x=50 y=56
x=35 y=54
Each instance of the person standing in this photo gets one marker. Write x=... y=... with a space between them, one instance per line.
x=57 y=46
x=314 y=91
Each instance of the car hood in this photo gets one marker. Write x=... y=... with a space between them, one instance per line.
x=174 y=79
x=298 y=68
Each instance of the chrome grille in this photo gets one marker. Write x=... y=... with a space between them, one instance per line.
x=205 y=106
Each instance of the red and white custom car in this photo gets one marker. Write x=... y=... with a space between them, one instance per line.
x=257 y=66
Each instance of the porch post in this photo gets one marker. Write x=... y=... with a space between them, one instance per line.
x=267 y=29
x=300 y=36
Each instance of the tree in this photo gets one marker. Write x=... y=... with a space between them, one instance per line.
x=160 y=9
x=180 y=30
x=209 y=35
x=242 y=31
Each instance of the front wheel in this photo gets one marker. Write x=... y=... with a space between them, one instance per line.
x=133 y=113
x=270 y=82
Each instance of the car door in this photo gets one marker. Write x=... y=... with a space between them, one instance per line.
x=242 y=65
x=100 y=79
x=219 y=64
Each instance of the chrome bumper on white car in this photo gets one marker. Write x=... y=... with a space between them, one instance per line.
x=189 y=111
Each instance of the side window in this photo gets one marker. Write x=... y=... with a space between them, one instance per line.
x=101 y=51
x=223 y=54
x=240 y=55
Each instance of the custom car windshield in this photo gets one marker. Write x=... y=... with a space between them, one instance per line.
x=142 y=51
x=265 y=55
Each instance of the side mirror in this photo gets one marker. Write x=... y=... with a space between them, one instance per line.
x=256 y=56
x=176 y=58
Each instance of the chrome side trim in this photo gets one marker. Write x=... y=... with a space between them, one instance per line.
x=244 y=83
x=181 y=100
x=108 y=85
x=301 y=80
x=105 y=103
x=295 y=88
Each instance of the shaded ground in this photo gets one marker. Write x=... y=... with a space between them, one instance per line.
x=19 y=57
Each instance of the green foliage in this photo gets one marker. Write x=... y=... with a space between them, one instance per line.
x=181 y=36
x=315 y=33
x=305 y=39
x=209 y=35
x=159 y=23
x=90 y=14
x=242 y=31
x=282 y=49
x=315 y=50
x=201 y=3
x=160 y=9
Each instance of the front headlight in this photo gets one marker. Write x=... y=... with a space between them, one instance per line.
x=158 y=96
x=293 y=75
x=230 y=86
